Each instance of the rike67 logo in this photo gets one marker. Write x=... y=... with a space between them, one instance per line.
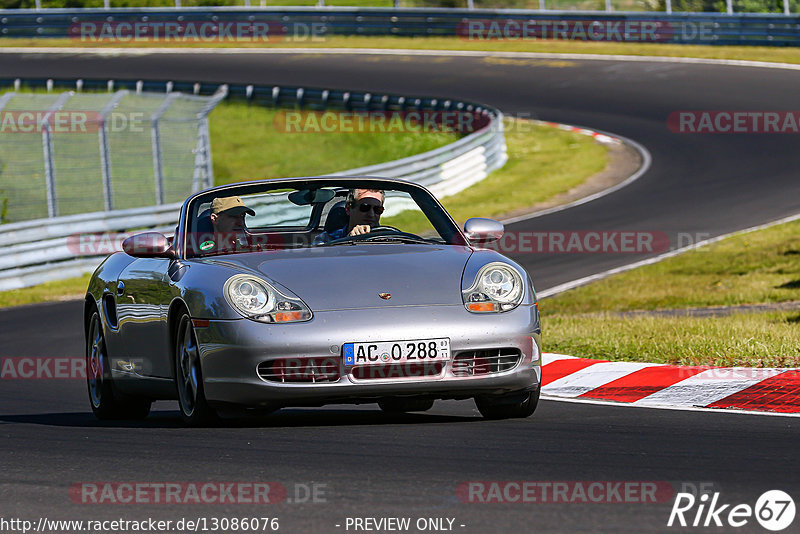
x=774 y=510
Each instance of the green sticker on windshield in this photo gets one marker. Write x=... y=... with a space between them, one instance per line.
x=206 y=245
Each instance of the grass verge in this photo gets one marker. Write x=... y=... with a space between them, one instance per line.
x=248 y=143
x=768 y=339
x=543 y=162
x=47 y=292
x=751 y=268
x=750 y=53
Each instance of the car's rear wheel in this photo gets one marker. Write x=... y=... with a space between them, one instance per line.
x=516 y=405
x=105 y=401
x=405 y=405
x=195 y=410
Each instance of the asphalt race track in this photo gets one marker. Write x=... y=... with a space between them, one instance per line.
x=366 y=464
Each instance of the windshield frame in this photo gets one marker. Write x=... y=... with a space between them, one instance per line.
x=442 y=222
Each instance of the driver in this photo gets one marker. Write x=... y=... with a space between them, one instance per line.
x=364 y=208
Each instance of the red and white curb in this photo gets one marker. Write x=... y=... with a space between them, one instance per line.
x=600 y=137
x=775 y=391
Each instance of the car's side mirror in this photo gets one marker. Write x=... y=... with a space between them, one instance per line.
x=480 y=230
x=148 y=245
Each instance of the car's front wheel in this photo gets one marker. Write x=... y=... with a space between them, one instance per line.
x=195 y=410
x=105 y=401
x=516 y=405
x=405 y=405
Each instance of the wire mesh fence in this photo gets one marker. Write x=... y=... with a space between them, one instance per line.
x=71 y=152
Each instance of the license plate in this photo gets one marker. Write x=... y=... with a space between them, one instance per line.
x=383 y=352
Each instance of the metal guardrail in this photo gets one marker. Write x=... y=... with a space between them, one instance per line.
x=299 y=24
x=48 y=249
x=608 y=5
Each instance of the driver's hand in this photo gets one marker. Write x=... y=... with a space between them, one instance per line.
x=360 y=229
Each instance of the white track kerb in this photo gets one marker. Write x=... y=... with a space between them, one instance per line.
x=739 y=390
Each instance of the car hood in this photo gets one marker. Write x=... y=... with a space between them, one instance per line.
x=353 y=276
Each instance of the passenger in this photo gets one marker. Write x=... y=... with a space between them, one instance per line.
x=227 y=219
x=364 y=208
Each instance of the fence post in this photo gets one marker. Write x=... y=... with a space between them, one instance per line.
x=155 y=137
x=669 y=7
x=786 y=7
x=609 y=7
x=729 y=4
x=47 y=148
x=105 y=159
x=5 y=98
x=202 y=159
x=3 y=101
x=542 y=6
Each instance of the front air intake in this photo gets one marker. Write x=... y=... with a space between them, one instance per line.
x=485 y=362
x=300 y=370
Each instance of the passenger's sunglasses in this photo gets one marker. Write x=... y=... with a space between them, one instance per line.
x=364 y=208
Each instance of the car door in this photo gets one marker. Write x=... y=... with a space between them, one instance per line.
x=143 y=296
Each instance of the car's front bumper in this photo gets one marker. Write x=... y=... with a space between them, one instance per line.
x=232 y=350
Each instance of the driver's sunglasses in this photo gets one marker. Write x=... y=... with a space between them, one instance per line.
x=364 y=208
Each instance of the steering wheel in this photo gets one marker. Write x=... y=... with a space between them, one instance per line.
x=377 y=232
x=381 y=234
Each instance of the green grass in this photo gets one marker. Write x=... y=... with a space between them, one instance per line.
x=47 y=292
x=755 y=267
x=543 y=162
x=248 y=144
x=751 y=268
x=752 y=53
x=750 y=340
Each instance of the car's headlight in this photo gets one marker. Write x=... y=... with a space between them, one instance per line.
x=258 y=300
x=497 y=288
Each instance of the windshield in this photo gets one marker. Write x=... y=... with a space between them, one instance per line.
x=314 y=213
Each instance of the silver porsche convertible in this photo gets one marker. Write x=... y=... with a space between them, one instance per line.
x=312 y=291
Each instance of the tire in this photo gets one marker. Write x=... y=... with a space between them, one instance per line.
x=195 y=410
x=512 y=406
x=405 y=405
x=106 y=402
